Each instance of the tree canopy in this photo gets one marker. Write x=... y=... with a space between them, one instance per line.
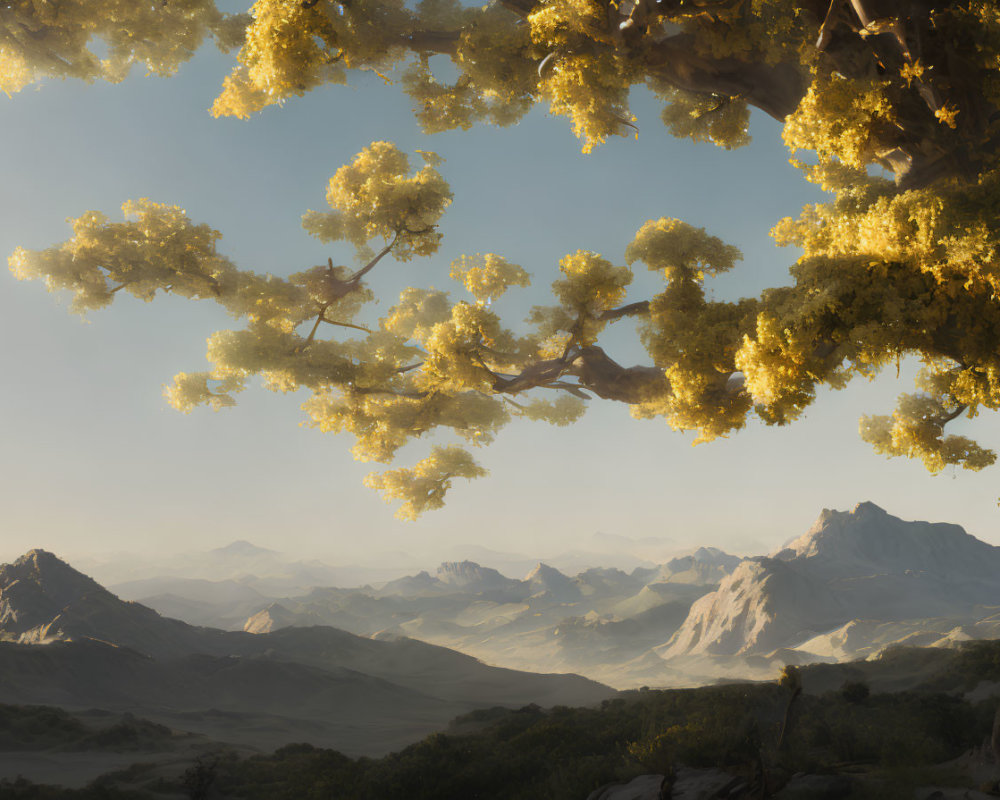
x=891 y=107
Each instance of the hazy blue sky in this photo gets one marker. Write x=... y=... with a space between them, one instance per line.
x=92 y=458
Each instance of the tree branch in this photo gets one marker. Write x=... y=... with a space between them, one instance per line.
x=532 y=376
x=775 y=89
x=631 y=310
x=312 y=333
x=344 y=324
x=357 y=276
x=946 y=418
x=439 y=42
x=574 y=389
x=393 y=392
x=606 y=378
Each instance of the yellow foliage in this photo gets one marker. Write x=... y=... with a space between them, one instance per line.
x=680 y=250
x=424 y=487
x=887 y=269
x=376 y=196
x=47 y=39
x=487 y=277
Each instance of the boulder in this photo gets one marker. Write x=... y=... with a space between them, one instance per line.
x=645 y=787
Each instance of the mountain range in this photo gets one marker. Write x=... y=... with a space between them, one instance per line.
x=67 y=641
x=853 y=584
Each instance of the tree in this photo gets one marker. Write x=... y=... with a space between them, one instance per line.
x=894 y=104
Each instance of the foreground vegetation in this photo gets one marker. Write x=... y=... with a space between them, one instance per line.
x=764 y=733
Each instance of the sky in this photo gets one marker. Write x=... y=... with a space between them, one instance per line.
x=93 y=460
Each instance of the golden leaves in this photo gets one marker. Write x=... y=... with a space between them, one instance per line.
x=376 y=196
x=487 y=277
x=156 y=248
x=56 y=40
x=285 y=53
x=719 y=119
x=838 y=119
x=915 y=430
x=425 y=486
x=680 y=250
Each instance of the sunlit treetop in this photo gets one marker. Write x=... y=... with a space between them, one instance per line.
x=892 y=108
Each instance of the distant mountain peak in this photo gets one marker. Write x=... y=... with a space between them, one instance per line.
x=459 y=567
x=542 y=571
x=241 y=547
x=469 y=576
x=460 y=572
x=48 y=570
x=705 y=565
x=544 y=578
x=868 y=539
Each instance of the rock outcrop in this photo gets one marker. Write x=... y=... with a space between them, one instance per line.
x=840 y=583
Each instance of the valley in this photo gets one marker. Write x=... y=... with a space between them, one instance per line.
x=233 y=665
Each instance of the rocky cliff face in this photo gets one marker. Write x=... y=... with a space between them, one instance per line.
x=863 y=564
x=760 y=606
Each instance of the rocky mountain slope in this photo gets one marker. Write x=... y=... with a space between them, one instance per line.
x=854 y=583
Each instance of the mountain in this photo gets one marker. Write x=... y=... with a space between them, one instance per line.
x=43 y=599
x=762 y=605
x=423 y=584
x=65 y=640
x=706 y=565
x=468 y=576
x=452 y=577
x=544 y=579
x=853 y=543
x=241 y=548
x=834 y=591
x=595 y=623
x=855 y=583
x=274 y=617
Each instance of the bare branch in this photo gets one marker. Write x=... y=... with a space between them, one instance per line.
x=315 y=327
x=357 y=276
x=344 y=324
